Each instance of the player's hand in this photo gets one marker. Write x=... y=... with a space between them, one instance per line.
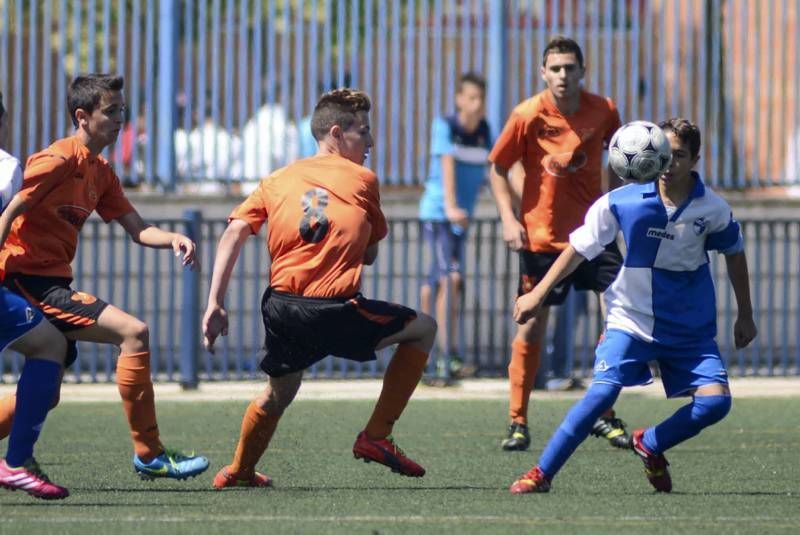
x=183 y=246
x=528 y=306
x=514 y=235
x=744 y=331
x=215 y=323
x=457 y=216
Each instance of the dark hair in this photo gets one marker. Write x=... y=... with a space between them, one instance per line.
x=2 y=108
x=562 y=45
x=685 y=130
x=471 y=78
x=86 y=91
x=337 y=107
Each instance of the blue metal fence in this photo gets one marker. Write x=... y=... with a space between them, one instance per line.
x=151 y=285
x=217 y=89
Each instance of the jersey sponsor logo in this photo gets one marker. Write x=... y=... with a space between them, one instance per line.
x=74 y=215
x=659 y=234
x=565 y=163
x=86 y=299
x=699 y=225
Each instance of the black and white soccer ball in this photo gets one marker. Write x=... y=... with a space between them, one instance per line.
x=639 y=152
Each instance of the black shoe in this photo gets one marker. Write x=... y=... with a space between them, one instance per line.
x=518 y=438
x=612 y=429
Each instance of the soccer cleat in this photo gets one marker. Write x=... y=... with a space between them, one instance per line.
x=518 y=438
x=655 y=466
x=225 y=479
x=31 y=479
x=614 y=430
x=171 y=464
x=386 y=452
x=533 y=481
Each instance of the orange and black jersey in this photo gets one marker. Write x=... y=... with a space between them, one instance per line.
x=562 y=157
x=323 y=212
x=62 y=186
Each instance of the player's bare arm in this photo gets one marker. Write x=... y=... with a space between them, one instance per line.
x=455 y=214
x=513 y=232
x=528 y=305
x=215 y=319
x=151 y=236
x=15 y=208
x=744 y=329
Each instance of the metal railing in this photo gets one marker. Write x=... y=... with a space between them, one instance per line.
x=150 y=284
x=218 y=89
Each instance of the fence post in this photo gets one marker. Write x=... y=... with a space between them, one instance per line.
x=498 y=50
x=190 y=309
x=167 y=75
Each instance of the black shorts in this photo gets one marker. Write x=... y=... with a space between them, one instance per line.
x=596 y=274
x=301 y=331
x=67 y=309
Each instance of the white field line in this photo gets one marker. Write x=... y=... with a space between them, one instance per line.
x=411 y=519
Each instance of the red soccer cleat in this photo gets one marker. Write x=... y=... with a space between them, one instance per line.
x=31 y=479
x=386 y=452
x=655 y=466
x=224 y=479
x=533 y=481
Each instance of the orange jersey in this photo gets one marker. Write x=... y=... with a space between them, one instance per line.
x=562 y=157
x=324 y=212
x=62 y=186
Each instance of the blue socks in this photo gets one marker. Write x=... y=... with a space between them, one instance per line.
x=36 y=389
x=576 y=426
x=687 y=422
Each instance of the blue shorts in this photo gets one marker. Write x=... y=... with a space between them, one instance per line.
x=447 y=249
x=18 y=317
x=622 y=359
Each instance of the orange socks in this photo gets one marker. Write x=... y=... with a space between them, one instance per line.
x=7 y=406
x=138 y=401
x=399 y=382
x=258 y=426
x=521 y=375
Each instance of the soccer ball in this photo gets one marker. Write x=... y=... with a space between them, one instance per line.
x=639 y=152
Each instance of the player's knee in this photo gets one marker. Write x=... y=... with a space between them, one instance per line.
x=456 y=280
x=138 y=335
x=427 y=325
x=708 y=410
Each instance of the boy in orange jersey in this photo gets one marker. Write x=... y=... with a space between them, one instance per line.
x=325 y=222
x=62 y=186
x=559 y=136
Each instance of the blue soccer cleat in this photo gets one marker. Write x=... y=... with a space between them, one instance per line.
x=171 y=464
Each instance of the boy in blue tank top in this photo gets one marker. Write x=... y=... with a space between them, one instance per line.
x=460 y=145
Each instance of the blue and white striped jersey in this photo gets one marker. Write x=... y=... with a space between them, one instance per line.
x=664 y=291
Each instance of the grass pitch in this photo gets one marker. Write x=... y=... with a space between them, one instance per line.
x=740 y=476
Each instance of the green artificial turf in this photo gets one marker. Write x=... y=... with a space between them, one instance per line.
x=740 y=476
